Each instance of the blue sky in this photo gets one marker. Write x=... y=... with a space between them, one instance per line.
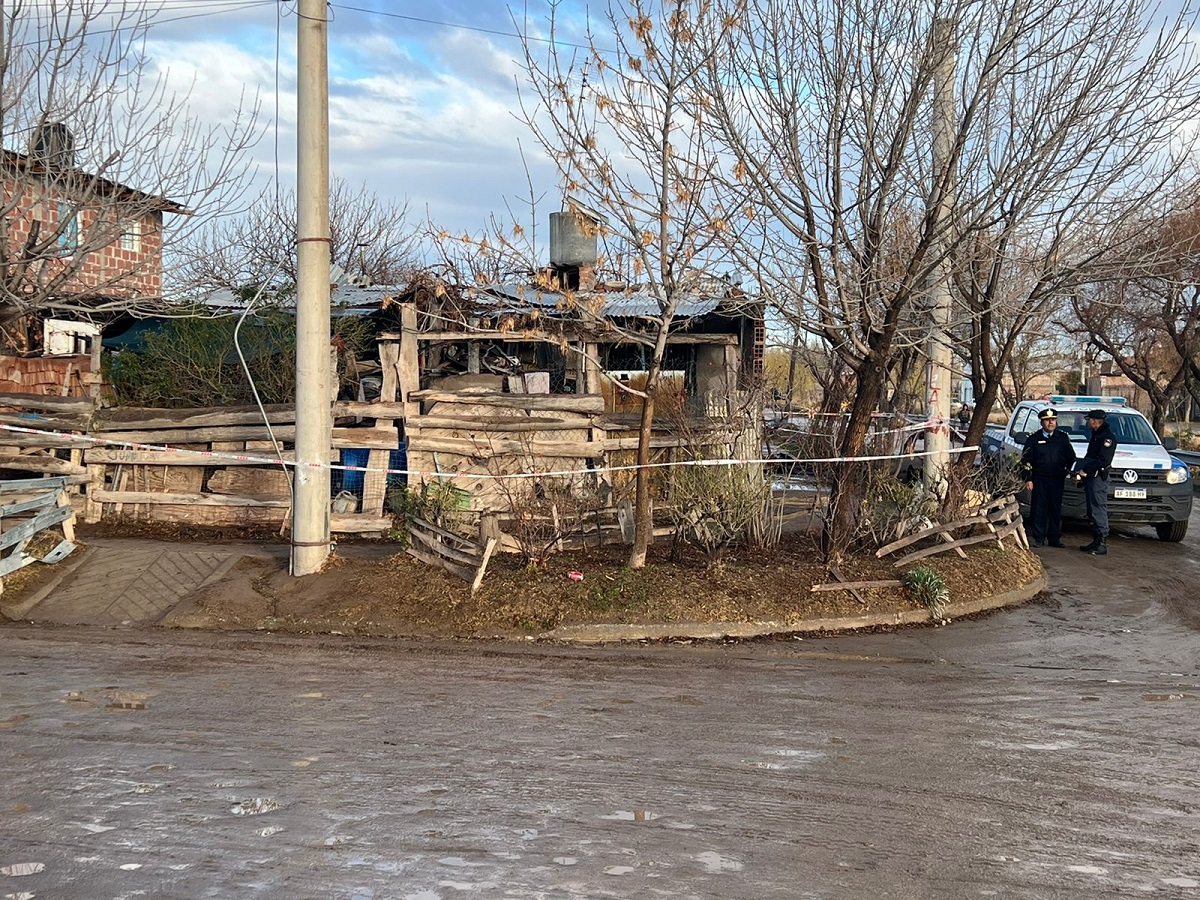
x=423 y=100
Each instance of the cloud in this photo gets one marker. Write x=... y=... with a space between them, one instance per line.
x=417 y=112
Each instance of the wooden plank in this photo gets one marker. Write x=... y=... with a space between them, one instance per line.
x=260 y=483
x=154 y=498
x=434 y=560
x=856 y=585
x=93 y=510
x=15 y=509
x=443 y=533
x=487 y=555
x=109 y=456
x=46 y=423
x=130 y=418
x=203 y=435
x=68 y=524
x=77 y=405
x=47 y=464
x=961 y=542
x=444 y=550
x=928 y=532
x=356 y=523
x=30 y=527
x=836 y=573
x=486 y=449
x=497 y=423
x=544 y=402
x=34 y=484
x=408 y=364
x=389 y=357
x=368 y=410
x=366 y=438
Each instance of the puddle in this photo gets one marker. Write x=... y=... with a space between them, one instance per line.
x=1182 y=882
x=97 y=829
x=256 y=806
x=618 y=870
x=12 y=721
x=636 y=815
x=714 y=863
x=269 y=830
x=1160 y=698
x=1088 y=870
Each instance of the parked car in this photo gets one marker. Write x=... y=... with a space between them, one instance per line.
x=1147 y=486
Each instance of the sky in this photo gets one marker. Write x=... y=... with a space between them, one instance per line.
x=424 y=105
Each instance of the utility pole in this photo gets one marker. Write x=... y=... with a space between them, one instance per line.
x=314 y=422
x=943 y=196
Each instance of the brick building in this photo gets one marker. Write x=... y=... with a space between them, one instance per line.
x=72 y=241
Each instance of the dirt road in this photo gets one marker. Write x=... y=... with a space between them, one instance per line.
x=1043 y=752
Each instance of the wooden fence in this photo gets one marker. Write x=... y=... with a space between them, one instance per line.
x=28 y=508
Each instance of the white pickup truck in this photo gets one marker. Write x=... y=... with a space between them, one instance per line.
x=1147 y=486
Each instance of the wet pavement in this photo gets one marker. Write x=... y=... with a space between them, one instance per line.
x=1048 y=751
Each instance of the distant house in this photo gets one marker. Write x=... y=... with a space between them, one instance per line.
x=74 y=246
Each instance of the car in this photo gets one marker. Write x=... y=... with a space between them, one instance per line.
x=1147 y=486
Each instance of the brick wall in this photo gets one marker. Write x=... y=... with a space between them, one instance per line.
x=108 y=269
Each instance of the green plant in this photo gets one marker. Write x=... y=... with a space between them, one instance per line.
x=713 y=506
x=192 y=361
x=434 y=501
x=927 y=586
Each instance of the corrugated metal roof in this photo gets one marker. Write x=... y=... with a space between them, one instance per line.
x=344 y=300
x=613 y=304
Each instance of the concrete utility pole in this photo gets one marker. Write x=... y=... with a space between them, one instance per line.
x=938 y=373
x=314 y=422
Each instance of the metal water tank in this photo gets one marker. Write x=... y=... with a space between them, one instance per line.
x=53 y=145
x=570 y=242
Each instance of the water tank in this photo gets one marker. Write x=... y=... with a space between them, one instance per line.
x=570 y=242
x=54 y=145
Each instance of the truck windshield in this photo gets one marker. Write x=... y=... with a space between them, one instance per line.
x=1128 y=428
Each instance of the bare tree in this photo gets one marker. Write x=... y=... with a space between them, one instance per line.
x=621 y=123
x=98 y=151
x=371 y=238
x=1148 y=320
x=1067 y=119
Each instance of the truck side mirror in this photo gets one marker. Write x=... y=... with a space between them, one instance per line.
x=1169 y=443
x=1021 y=436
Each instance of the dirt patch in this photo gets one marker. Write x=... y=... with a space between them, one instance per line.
x=400 y=596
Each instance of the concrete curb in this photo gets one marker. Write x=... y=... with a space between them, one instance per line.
x=605 y=634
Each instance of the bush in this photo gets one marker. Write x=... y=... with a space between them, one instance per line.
x=192 y=361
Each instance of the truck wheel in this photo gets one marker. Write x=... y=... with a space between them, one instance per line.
x=1172 y=531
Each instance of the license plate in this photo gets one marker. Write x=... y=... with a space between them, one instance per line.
x=1130 y=493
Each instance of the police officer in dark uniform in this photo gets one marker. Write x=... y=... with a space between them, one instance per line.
x=1045 y=462
x=1092 y=473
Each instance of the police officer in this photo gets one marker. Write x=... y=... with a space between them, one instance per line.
x=1045 y=462
x=1092 y=473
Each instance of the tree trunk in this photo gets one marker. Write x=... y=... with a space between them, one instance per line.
x=643 y=522
x=848 y=483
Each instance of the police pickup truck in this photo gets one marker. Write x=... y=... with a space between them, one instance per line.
x=1146 y=485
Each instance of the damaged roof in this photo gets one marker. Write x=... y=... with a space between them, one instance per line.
x=611 y=304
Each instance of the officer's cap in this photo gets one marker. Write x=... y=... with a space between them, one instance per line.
x=1047 y=414
x=1098 y=414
